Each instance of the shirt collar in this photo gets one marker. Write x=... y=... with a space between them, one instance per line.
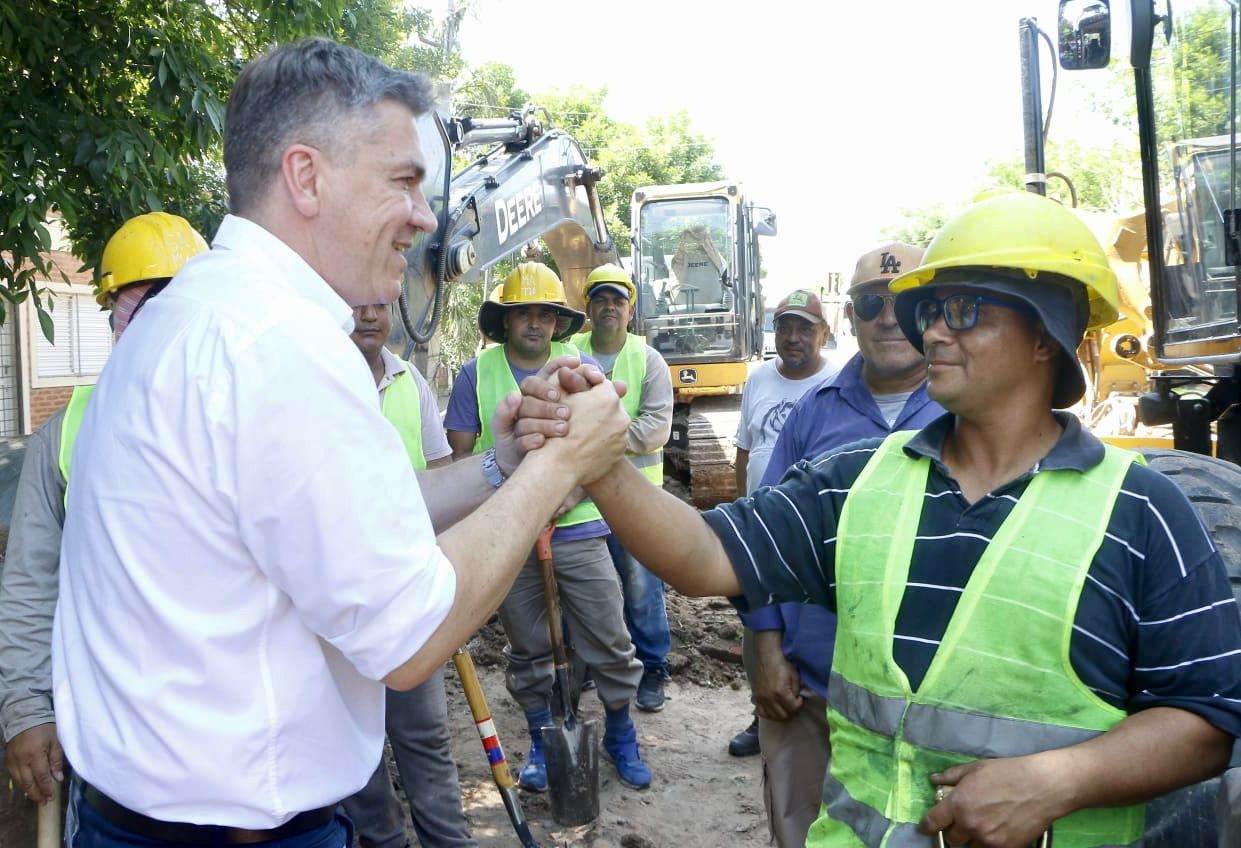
x=1077 y=449
x=243 y=236
x=394 y=367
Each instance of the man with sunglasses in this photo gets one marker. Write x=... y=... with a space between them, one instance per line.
x=1025 y=614
x=880 y=390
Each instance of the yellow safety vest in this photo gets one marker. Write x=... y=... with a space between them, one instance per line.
x=494 y=380
x=403 y=408
x=70 y=424
x=1000 y=684
x=631 y=368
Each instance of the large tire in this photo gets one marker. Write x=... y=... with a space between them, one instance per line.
x=1188 y=817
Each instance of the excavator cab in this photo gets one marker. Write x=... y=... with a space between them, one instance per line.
x=700 y=304
x=1185 y=70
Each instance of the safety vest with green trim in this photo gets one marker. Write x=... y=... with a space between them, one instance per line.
x=70 y=424
x=1000 y=684
x=403 y=409
x=494 y=380
x=630 y=367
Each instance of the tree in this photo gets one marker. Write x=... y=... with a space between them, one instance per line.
x=918 y=226
x=667 y=152
x=116 y=108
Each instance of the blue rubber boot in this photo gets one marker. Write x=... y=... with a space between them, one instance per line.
x=620 y=743
x=533 y=775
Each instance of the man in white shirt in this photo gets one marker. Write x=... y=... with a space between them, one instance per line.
x=769 y=394
x=248 y=556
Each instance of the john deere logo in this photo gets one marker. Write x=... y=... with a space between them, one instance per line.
x=889 y=264
x=799 y=298
x=688 y=376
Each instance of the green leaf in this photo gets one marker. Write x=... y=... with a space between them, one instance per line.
x=45 y=322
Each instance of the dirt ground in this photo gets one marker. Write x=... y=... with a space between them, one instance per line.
x=700 y=796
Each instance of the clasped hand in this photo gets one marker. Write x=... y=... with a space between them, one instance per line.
x=567 y=401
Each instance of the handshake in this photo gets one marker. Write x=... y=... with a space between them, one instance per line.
x=568 y=414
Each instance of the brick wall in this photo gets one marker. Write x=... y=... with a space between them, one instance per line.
x=43 y=402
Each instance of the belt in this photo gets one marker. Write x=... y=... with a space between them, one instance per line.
x=184 y=833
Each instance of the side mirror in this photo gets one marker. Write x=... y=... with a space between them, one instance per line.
x=1085 y=34
x=764 y=221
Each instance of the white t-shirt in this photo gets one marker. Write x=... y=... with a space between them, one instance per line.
x=765 y=404
x=246 y=554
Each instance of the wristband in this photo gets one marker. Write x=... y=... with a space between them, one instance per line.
x=491 y=469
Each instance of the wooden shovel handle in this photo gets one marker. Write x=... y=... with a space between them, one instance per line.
x=51 y=815
x=468 y=676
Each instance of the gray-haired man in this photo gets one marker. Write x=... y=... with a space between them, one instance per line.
x=247 y=551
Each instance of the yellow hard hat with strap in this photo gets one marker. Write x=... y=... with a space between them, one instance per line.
x=153 y=246
x=1025 y=232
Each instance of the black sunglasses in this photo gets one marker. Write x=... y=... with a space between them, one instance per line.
x=868 y=306
x=960 y=311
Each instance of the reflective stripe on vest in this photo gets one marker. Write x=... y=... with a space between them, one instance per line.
x=494 y=379
x=630 y=368
x=403 y=409
x=69 y=427
x=1000 y=683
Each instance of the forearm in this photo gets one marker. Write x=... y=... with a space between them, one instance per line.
x=769 y=644
x=1148 y=754
x=487 y=561
x=664 y=533
x=459 y=487
x=741 y=466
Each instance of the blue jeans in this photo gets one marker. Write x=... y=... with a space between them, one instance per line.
x=85 y=828
x=645 y=613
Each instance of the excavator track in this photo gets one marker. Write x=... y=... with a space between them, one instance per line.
x=702 y=453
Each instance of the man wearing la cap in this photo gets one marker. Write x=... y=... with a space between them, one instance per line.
x=1023 y=612
x=137 y=263
x=769 y=393
x=530 y=320
x=627 y=357
x=882 y=389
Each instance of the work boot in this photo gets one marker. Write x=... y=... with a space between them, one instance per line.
x=650 y=698
x=745 y=743
x=620 y=744
x=533 y=775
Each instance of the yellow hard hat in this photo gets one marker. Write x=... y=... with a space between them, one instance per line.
x=529 y=284
x=612 y=276
x=1024 y=232
x=153 y=246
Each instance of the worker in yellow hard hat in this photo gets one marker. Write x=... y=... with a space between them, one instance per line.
x=1024 y=613
x=138 y=261
x=530 y=320
x=610 y=301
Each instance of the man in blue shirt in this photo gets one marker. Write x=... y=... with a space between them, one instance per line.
x=880 y=390
x=530 y=320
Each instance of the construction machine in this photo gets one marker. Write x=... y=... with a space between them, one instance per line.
x=697 y=264
x=1179 y=264
x=528 y=182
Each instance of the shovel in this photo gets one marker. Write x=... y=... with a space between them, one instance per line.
x=571 y=746
x=51 y=815
x=491 y=744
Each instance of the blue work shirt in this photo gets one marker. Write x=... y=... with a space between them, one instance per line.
x=839 y=411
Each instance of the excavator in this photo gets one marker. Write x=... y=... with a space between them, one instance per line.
x=1178 y=342
x=696 y=261
x=527 y=181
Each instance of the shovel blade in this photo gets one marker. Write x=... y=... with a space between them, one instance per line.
x=573 y=771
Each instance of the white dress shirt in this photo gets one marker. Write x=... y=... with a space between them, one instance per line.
x=246 y=555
